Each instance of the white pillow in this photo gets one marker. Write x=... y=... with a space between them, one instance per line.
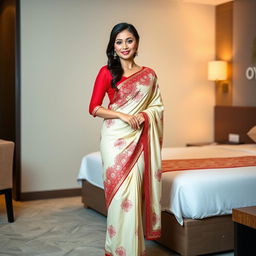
x=252 y=133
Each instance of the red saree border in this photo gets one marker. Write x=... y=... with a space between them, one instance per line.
x=141 y=72
x=150 y=233
x=128 y=87
x=108 y=253
x=207 y=163
x=141 y=68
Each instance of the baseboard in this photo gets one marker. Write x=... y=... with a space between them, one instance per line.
x=36 y=195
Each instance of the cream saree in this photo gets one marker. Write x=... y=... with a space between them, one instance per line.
x=132 y=163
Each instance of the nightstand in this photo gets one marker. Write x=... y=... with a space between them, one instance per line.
x=245 y=230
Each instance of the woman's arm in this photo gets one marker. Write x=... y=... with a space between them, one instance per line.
x=100 y=87
x=133 y=120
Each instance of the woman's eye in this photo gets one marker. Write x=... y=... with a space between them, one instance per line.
x=130 y=41
x=118 y=42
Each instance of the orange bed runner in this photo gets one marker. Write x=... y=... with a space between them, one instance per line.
x=207 y=163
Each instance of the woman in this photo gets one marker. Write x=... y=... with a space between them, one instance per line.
x=131 y=139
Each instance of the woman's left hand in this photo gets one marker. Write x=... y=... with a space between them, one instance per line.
x=140 y=118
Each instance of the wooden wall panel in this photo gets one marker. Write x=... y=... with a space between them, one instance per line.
x=224 y=49
x=7 y=70
x=10 y=82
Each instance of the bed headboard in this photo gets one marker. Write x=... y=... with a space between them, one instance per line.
x=233 y=119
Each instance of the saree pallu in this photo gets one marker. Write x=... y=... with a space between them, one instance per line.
x=132 y=166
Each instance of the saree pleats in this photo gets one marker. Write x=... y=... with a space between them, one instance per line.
x=132 y=163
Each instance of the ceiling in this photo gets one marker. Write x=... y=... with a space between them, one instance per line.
x=209 y=2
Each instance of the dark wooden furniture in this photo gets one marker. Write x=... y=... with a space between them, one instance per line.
x=6 y=171
x=245 y=230
x=10 y=85
x=8 y=201
x=93 y=197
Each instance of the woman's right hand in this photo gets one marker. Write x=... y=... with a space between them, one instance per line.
x=132 y=120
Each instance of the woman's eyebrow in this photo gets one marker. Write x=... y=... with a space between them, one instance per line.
x=124 y=39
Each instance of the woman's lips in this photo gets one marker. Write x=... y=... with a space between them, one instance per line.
x=125 y=52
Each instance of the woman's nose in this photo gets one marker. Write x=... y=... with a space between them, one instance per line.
x=124 y=45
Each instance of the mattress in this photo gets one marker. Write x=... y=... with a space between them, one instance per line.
x=199 y=193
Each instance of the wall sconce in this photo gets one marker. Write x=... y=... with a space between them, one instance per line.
x=217 y=71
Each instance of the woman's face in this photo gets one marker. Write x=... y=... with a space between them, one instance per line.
x=125 y=45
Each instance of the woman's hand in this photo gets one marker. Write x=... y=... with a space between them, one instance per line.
x=133 y=120
x=140 y=118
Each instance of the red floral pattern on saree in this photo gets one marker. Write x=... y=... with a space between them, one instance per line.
x=158 y=175
x=126 y=205
x=120 y=143
x=120 y=251
x=118 y=172
x=111 y=231
x=138 y=96
x=109 y=122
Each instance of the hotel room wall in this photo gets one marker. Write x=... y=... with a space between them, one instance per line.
x=62 y=48
x=244 y=93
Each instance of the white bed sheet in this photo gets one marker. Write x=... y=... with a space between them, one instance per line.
x=91 y=169
x=200 y=193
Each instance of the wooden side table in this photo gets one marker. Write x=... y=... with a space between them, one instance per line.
x=245 y=230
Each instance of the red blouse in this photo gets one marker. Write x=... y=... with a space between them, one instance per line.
x=102 y=86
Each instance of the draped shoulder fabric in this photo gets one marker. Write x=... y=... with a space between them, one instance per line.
x=132 y=165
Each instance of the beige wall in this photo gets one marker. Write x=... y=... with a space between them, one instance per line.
x=62 y=48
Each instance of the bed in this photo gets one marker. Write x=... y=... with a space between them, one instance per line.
x=188 y=228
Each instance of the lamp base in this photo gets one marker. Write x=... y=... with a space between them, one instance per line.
x=225 y=87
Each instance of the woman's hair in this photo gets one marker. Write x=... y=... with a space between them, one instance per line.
x=114 y=64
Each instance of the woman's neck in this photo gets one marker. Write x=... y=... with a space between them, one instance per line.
x=128 y=64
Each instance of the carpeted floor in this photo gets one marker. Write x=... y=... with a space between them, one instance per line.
x=58 y=227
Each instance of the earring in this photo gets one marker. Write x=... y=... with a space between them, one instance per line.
x=136 y=54
x=115 y=55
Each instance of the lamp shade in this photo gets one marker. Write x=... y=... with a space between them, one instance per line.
x=217 y=70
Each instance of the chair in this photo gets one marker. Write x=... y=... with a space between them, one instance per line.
x=6 y=168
